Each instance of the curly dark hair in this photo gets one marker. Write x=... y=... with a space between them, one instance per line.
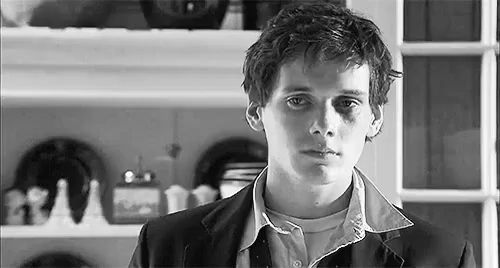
x=321 y=31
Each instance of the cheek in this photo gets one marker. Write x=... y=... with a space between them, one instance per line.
x=284 y=128
x=356 y=128
x=278 y=120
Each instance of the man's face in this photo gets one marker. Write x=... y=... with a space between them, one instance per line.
x=317 y=119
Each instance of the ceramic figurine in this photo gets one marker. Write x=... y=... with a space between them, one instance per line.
x=37 y=197
x=61 y=213
x=14 y=204
x=19 y=13
x=93 y=214
x=177 y=198
x=204 y=194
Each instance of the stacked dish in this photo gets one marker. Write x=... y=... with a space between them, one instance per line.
x=237 y=175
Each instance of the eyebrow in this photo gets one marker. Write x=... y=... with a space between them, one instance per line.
x=292 y=89
x=352 y=92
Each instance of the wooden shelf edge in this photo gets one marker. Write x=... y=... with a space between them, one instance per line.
x=82 y=231
x=89 y=67
x=120 y=47
x=16 y=98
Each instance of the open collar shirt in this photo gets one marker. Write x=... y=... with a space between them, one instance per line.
x=305 y=242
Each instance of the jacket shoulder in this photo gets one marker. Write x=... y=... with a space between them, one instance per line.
x=428 y=230
x=182 y=222
x=424 y=239
x=163 y=240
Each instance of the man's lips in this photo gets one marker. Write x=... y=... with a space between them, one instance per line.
x=323 y=153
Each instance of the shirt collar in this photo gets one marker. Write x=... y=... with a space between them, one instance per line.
x=257 y=218
x=381 y=215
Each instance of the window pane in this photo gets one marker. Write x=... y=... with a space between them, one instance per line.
x=442 y=20
x=460 y=219
x=441 y=122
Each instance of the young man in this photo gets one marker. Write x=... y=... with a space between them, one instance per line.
x=317 y=80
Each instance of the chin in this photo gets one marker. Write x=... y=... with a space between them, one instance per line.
x=321 y=174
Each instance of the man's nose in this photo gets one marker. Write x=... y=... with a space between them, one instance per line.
x=325 y=122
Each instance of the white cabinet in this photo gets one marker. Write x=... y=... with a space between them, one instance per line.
x=85 y=71
x=123 y=67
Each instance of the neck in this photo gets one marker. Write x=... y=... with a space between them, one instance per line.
x=296 y=197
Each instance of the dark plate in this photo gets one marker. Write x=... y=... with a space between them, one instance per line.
x=56 y=259
x=57 y=158
x=212 y=164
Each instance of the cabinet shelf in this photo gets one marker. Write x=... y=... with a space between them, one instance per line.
x=113 y=98
x=110 y=67
x=82 y=231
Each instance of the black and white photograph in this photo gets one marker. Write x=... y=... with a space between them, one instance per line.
x=249 y=133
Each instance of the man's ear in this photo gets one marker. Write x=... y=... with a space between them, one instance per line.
x=254 y=116
x=377 y=120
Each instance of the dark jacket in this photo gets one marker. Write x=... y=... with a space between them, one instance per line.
x=210 y=236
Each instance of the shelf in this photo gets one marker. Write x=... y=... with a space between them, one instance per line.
x=115 y=98
x=67 y=231
x=117 y=67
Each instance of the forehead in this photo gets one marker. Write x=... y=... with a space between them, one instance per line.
x=333 y=75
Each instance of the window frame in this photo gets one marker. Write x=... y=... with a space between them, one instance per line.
x=388 y=15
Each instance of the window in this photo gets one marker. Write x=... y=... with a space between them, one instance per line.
x=443 y=115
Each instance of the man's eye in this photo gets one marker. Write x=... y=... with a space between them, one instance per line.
x=347 y=104
x=296 y=101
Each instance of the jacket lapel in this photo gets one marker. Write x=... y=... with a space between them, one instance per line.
x=224 y=228
x=218 y=246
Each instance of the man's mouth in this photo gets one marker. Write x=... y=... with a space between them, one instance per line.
x=322 y=153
